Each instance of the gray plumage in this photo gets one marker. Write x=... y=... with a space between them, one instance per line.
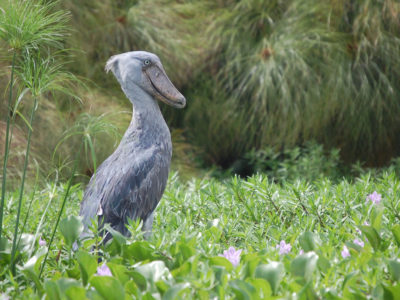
x=130 y=182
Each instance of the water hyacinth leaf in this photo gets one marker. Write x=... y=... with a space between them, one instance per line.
x=149 y=296
x=76 y=293
x=139 y=280
x=71 y=227
x=139 y=251
x=162 y=286
x=108 y=287
x=87 y=264
x=243 y=290
x=251 y=262
x=115 y=246
x=307 y=241
x=52 y=290
x=394 y=268
x=272 y=272
x=263 y=288
x=372 y=235
x=74 y=271
x=66 y=283
x=376 y=216
x=391 y=291
x=304 y=265
x=131 y=288
x=222 y=262
x=154 y=271
x=176 y=291
x=119 y=272
x=396 y=234
x=182 y=270
x=221 y=275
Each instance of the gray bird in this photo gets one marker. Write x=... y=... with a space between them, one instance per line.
x=130 y=182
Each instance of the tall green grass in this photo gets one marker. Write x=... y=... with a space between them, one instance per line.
x=31 y=30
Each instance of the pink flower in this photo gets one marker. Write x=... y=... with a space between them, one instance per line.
x=366 y=223
x=375 y=198
x=358 y=231
x=283 y=248
x=345 y=252
x=42 y=242
x=301 y=252
x=359 y=242
x=103 y=270
x=232 y=255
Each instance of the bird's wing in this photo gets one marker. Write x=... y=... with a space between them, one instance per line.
x=128 y=189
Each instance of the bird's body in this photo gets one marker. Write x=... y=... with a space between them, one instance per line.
x=131 y=181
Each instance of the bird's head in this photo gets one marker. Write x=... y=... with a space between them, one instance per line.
x=144 y=70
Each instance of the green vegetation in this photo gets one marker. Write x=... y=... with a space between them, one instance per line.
x=197 y=221
x=294 y=96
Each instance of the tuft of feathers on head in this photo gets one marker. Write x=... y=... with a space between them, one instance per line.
x=110 y=63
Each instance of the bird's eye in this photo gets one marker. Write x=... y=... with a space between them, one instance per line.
x=146 y=62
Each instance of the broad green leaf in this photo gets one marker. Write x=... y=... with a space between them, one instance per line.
x=396 y=234
x=87 y=264
x=71 y=227
x=243 y=290
x=154 y=271
x=139 y=251
x=131 y=288
x=52 y=290
x=376 y=216
x=149 y=296
x=391 y=291
x=118 y=238
x=272 y=272
x=372 y=235
x=221 y=261
x=394 y=268
x=251 y=262
x=307 y=241
x=74 y=271
x=175 y=291
x=182 y=271
x=108 y=287
x=263 y=288
x=119 y=272
x=304 y=265
x=76 y=293
x=66 y=283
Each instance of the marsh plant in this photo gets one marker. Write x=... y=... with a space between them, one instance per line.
x=32 y=32
x=264 y=73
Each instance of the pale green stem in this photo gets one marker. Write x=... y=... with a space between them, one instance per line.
x=6 y=143
x=21 y=191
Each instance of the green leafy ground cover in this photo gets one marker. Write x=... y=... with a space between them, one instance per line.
x=197 y=221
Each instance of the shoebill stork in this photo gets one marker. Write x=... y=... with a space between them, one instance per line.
x=130 y=182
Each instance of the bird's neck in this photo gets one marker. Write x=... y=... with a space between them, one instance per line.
x=147 y=121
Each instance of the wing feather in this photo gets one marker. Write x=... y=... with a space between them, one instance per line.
x=126 y=189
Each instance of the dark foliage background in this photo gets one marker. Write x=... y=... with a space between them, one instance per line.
x=258 y=75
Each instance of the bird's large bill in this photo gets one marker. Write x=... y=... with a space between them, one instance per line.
x=164 y=90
